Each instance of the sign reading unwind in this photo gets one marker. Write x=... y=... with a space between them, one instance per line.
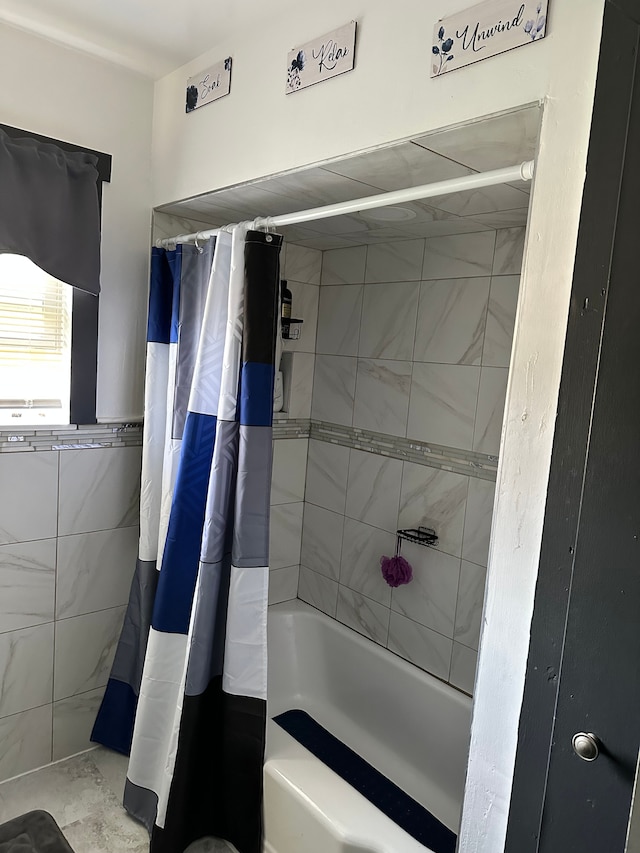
x=486 y=30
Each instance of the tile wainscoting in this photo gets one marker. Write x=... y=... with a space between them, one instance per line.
x=68 y=547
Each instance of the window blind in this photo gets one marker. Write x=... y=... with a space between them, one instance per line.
x=35 y=343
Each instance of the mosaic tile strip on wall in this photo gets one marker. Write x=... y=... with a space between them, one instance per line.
x=71 y=437
x=466 y=462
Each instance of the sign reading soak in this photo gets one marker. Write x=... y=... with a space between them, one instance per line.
x=321 y=59
x=486 y=30
x=210 y=85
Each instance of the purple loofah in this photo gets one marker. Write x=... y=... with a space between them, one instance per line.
x=396 y=570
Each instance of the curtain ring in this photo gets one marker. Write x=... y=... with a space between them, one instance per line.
x=199 y=248
x=264 y=224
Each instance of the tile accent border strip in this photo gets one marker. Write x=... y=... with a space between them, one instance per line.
x=290 y=428
x=466 y=462
x=117 y=434
x=71 y=437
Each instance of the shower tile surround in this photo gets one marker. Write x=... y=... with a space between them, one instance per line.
x=423 y=326
x=412 y=356
x=301 y=267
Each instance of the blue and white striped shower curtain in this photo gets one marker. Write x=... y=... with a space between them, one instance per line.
x=187 y=693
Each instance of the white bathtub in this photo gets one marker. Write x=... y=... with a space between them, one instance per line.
x=407 y=724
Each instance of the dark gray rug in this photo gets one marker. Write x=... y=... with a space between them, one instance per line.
x=34 y=832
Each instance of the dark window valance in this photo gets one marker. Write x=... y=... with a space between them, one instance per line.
x=50 y=210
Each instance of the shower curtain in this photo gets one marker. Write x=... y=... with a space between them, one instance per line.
x=187 y=692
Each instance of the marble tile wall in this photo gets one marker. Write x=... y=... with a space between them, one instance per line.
x=414 y=337
x=287 y=507
x=413 y=343
x=68 y=546
x=301 y=267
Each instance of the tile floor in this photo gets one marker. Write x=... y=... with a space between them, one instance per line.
x=84 y=795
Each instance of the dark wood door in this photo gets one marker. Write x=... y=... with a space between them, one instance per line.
x=583 y=672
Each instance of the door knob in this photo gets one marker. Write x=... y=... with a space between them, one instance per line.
x=586 y=746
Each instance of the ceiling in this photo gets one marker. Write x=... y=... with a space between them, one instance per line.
x=493 y=143
x=153 y=37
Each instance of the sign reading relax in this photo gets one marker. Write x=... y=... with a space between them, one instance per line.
x=486 y=30
x=321 y=59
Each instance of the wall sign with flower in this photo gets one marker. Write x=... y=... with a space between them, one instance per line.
x=209 y=85
x=486 y=30
x=321 y=59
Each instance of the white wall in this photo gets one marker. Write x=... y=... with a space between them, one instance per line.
x=67 y=95
x=258 y=131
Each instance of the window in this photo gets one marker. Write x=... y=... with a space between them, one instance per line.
x=35 y=345
x=52 y=185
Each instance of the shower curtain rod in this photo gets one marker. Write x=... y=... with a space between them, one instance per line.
x=522 y=172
